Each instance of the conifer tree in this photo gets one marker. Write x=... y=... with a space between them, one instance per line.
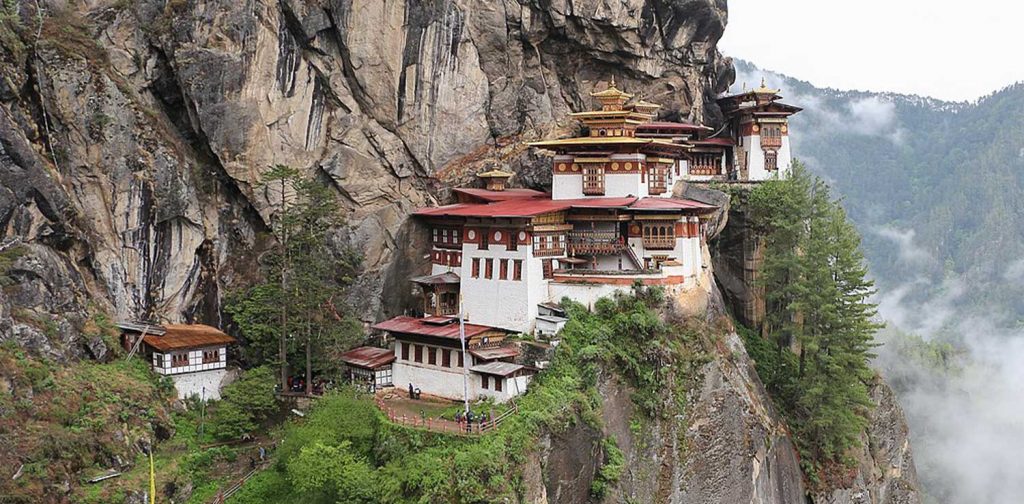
x=817 y=298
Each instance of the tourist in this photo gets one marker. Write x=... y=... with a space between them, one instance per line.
x=411 y=392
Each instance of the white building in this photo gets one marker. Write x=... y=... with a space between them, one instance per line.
x=194 y=356
x=510 y=255
x=428 y=356
x=758 y=134
x=369 y=368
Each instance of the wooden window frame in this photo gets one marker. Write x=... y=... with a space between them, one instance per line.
x=446 y=358
x=431 y=356
x=513 y=240
x=483 y=381
x=417 y=353
x=211 y=356
x=485 y=239
x=771 y=160
x=517 y=269
x=462 y=358
x=593 y=179
x=476 y=267
x=497 y=383
x=179 y=360
x=489 y=268
x=405 y=351
x=549 y=269
x=503 y=269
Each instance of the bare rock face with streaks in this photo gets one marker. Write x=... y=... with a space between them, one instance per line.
x=135 y=133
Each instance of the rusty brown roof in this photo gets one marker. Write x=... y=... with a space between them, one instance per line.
x=186 y=336
x=492 y=353
x=368 y=357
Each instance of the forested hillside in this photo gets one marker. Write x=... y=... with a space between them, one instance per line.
x=934 y=186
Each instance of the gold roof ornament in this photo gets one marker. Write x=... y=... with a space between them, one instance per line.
x=764 y=89
x=495 y=173
x=645 y=107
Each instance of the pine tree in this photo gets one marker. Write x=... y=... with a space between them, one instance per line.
x=300 y=302
x=817 y=295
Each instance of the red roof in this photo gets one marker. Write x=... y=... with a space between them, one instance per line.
x=368 y=357
x=714 y=141
x=187 y=336
x=670 y=204
x=523 y=207
x=492 y=353
x=411 y=325
x=507 y=194
x=665 y=125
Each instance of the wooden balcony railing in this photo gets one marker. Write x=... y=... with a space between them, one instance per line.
x=660 y=243
x=771 y=141
x=595 y=243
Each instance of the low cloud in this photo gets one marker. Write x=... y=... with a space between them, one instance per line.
x=1015 y=272
x=909 y=252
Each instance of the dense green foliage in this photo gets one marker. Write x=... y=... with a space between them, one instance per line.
x=816 y=296
x=295 y=318
x=244 y=404
x=372 y=460
x=947 y=175
x=62 y=419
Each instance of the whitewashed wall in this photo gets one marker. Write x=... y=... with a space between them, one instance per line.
x=192 y=384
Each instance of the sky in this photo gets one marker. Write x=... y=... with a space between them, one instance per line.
x=946 y=49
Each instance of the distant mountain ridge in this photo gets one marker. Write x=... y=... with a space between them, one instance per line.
x=935 y=186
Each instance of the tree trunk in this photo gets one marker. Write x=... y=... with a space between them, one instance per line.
x=309 y=364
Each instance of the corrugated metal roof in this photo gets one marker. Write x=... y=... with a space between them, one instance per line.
x=184 y=336
x=411 y=325
x=670 y=204
x=443 y=278
x=368 y=357
x=497 y=368
x=671 y=125
x=507 y=194
x=492 y=353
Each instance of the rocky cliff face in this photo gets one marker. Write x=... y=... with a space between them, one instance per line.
x=728 y=444
x=134 y=133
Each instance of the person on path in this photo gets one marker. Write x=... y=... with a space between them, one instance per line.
x=263 y=453
x=410 y=391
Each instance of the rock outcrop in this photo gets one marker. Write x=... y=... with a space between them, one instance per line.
x=134 y=134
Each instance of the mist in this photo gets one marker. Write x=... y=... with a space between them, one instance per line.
x=965 y=408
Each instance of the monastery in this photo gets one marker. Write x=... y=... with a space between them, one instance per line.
x=507 y=256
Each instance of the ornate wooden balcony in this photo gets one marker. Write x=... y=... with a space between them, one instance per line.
x=660 y=243
x=595 y=243
x=771 y=142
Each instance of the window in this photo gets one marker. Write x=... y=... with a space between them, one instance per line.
x=211 y=356
x=383 y=376
x=431 y=356
x=657 y=178
x=659 y=236
x=503 y=270
x=405 y=351
x=485 y=238
x=462 y=355
x=446 y=357
x=771 y=161
x=476 y=267
x=179 y=360
x=706 y=164
x=158 y=360
x=549 y=269
x=497 y=383
x=483 y=381
x=593 y=178
x=446 y=237
x=489 y=268
x=549 y=244
x=771 y=136
x=513 y=240
x=517 y=269
x=417 y=351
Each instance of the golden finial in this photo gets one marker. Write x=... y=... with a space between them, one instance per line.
x=613 y=80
